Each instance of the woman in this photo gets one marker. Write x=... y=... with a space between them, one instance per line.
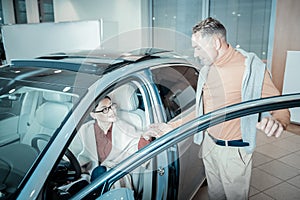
x=102 y=143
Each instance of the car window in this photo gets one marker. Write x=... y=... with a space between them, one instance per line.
x=177 y=88
x=95 y=151
x=29 y=116
x=27 y=111
x=131 y=106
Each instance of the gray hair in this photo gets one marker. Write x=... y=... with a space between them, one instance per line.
x=209 y=27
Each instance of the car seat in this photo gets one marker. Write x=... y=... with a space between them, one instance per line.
x=49 y=115
x=16 y=159
x=128 y=106
x=126 y=98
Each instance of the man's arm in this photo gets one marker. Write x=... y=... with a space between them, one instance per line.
x=270 y=126
x=275 y=125
x=183 y=120
x=159 y=129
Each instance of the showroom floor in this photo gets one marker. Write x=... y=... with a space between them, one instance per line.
x=276 y=169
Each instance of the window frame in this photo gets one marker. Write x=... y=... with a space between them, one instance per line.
x=187 y=107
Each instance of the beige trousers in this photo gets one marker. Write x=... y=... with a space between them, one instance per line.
x=228 y=170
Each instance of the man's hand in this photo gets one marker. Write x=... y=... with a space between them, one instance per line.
x=157 y=130
x=150 y=132
x=161 y=128
x=270 y=126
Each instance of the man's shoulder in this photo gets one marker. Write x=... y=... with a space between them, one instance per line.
x=251 y=58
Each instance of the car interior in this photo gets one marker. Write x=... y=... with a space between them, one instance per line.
x=47 y=117
x=33 y=116
x=176 y=89
x=26 y=125
x=129 y=109
x=126 y=97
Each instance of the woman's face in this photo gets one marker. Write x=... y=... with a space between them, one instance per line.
x=105 y=111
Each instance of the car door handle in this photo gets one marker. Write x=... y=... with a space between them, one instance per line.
x=161 y=171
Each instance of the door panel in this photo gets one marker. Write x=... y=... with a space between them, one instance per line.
x=177 y=88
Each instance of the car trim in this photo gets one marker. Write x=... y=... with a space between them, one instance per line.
x=132 y=56
x=57 y=64
x=56 y=61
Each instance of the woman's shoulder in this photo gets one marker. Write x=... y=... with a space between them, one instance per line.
x=123 y=123
x=125 y=127
x=87 y=125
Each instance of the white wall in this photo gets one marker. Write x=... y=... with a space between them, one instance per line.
x=38 y=39
x=119 y=17
x=291 y=80
x=64 y=10
x=121 y=25
x=32 y=13
x=126 y=12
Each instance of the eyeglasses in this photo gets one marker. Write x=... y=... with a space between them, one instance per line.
x=106 y=109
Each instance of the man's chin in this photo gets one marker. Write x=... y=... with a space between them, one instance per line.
x=207 y=64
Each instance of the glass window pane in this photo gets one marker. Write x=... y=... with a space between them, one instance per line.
x=177 y=88
x=247 y=23
x=20 y=11
x=1 y=12
x=46 y=11
x=176 y=15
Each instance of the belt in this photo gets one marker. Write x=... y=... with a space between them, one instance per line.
x=232 y=143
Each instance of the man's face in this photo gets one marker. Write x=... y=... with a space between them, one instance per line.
x=204 y=49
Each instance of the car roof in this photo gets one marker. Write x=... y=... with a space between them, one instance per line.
x=112 y=55
x=98 y=61
x=84 y=67
x=40 y=75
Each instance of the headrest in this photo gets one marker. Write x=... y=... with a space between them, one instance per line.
x=51 y=96
x=51 y=114
x=125 y=97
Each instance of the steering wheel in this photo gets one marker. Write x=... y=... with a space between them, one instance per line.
x=73 y=169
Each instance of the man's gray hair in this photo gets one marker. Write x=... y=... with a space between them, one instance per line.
x=209 y=27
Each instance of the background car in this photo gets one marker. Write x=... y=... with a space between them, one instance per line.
x=44 y=102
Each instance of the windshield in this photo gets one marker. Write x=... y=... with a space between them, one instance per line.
x=30 y=114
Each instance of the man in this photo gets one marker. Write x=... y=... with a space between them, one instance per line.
x=229 y=76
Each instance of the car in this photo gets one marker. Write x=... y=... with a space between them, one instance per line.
x=45 y=101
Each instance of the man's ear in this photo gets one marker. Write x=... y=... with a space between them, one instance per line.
x=217 y=43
